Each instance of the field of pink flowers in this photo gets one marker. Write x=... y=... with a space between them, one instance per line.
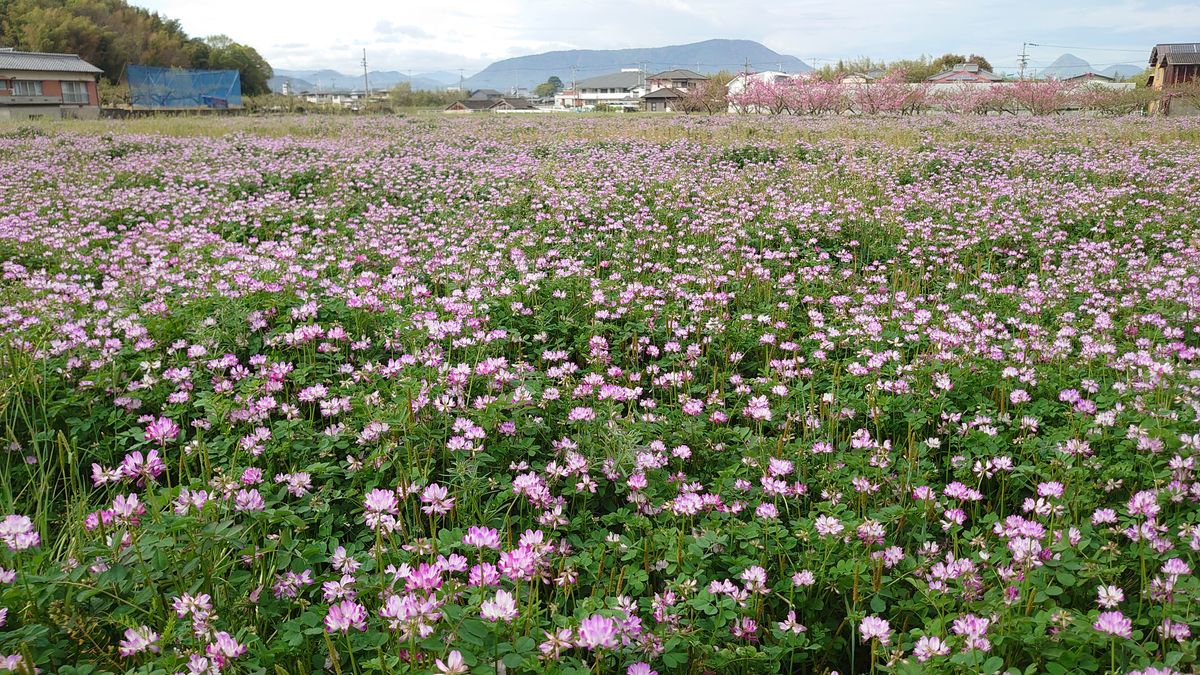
x=600 y=395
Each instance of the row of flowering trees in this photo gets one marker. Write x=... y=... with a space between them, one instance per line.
x=891 y=95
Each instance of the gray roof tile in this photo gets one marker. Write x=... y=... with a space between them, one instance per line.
x=622 y=80
x=70 y=63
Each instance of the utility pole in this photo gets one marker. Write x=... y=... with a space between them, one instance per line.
x=366 y=83
x=1023 y=58
x=460 y=80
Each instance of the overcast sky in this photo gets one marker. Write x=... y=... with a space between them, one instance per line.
x=452 y=34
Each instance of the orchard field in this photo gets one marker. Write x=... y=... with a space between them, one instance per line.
x=600 y=394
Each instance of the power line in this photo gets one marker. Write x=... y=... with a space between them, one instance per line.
x=1095 y=49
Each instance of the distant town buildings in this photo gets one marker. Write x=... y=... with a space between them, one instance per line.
x=483 y=101
x=965 y=73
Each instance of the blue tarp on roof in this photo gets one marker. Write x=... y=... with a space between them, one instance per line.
x=154 y=87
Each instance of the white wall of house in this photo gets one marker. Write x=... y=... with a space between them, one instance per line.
x=611 y=96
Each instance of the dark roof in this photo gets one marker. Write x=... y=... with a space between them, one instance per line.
x=69 y=63
x=1182 y=59
x=1173 y=48
x=870 y=74
x=1089 y=76
x=485 y=94
x=514 y=103
x=472 y=104
x=964 y=72
x=665 y=92
x=677 y=74
x=622 y=80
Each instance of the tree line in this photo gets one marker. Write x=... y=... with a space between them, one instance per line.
x=111 y=34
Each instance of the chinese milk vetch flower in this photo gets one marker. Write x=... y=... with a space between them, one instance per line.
x=1115 y=624
x=380 y=508
x=138 y=640
x=453 y=665
x=597 y=632
x=875 y=628
x=17 y=532
x=345 y=615
x=162 y=431
x=973 y=629
x=503 y=607
x=481 y=537
x=436 y=500
x=224 y=648
x=930 y=646
x=1109 y=597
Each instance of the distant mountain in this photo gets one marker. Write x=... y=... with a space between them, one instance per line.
x=327 y=80
x=709 y=56
x=441 y=77
x=1069 y=65
x=1122 y=71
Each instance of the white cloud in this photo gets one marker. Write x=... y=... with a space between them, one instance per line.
x=449 y=35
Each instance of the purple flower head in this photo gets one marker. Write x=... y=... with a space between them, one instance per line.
x=345 y=615
x=597 y=632
x=162 y=431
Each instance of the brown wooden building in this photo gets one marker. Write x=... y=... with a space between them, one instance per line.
x=1173 y=65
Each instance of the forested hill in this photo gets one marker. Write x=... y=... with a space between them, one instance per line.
x=111 y=34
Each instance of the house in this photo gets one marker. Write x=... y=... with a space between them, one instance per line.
x=1089 y=77
x=470 y=105
x=502 y=104
x=34 y=84
x=566 y=99
x=485 y=95
x=965 y=73
x=1173 y=65
x=663 y=100
x=862 y=78
x=512 y=104
x=743 y=82
x=679 y=79
x=616 y=90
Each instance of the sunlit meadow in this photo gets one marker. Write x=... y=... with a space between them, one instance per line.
x=600 y=394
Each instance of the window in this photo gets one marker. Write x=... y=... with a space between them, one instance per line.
x=75 y=92
x=27 y=88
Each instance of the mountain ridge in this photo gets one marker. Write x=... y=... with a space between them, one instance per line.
x=1069 y=65
x=708 y=56
x=329 y=80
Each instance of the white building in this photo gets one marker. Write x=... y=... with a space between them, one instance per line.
x=739 y=84
x=618 y=90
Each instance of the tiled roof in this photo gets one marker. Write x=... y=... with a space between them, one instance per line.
x=516 y=103
x=1183 y=58
x=677 y=74
x=665 y=92
x=622 y=80
x=473 y=104
x=965 y=72
x=1173 y=48
x=70 y=63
